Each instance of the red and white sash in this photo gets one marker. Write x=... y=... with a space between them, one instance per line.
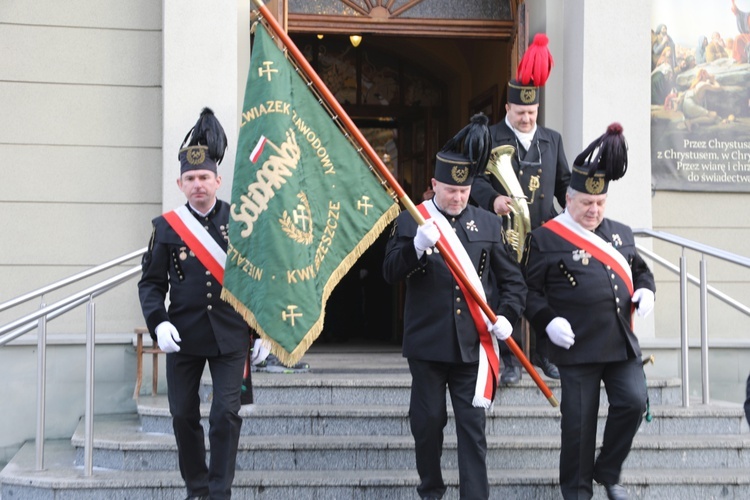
x=489 y=363
x=202 y=244
x=565 y=227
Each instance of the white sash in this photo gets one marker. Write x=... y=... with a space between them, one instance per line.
x=447 y=233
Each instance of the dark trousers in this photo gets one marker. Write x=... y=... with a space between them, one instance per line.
x=428 y=416
x=625 y=384
x=183 y=381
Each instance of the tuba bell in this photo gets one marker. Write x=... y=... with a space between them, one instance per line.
x=518 y=224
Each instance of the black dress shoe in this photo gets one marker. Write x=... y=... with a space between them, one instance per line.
x=546 y=365
x=510 y=375
x=616 y=491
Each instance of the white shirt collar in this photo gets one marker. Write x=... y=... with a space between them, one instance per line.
x=201 y=213
x=524 y=138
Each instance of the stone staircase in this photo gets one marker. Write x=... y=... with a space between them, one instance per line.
x=342 y=432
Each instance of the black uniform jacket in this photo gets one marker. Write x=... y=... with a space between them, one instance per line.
x=437 y=323
x=592 y=297
x=553 y=173
x=207 y=325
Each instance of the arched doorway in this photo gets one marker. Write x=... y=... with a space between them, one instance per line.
x=409 y=84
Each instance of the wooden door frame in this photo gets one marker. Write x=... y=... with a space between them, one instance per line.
x=385 y=20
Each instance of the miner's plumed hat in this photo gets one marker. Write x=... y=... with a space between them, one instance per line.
x=466 y=154
x=204 y=145
x=604 y=160
x=532 y=73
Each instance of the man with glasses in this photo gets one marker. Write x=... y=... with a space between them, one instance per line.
x=542 y=170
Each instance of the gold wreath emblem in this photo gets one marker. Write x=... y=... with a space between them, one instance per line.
x=459 y=173
x=594 y=185
x=528 y=95
x=289 y=227
x=196 y=155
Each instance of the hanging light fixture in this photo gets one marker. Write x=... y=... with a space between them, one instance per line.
x=320 y=36
x=355 y=39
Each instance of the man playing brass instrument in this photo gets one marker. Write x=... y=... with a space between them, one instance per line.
x=542 y=170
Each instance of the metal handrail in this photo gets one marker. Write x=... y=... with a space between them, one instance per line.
x=692 y=245
x=705 y=290
x=27 y=323
x=39 y=320
x=71 y=279
x=695 y=281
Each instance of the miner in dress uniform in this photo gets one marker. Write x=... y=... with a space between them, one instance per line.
x=198 y=327
x=585 y=279
x=446 y=341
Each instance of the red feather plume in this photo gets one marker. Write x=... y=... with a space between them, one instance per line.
x=536 y=64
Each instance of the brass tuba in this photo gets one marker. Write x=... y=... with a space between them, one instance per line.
x=519 y=223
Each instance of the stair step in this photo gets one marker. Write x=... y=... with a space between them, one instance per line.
x=59 y=480
x=119 y=444
x=393 y=419
x=342 y=432
x=394 y=389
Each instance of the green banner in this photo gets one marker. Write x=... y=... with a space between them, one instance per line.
x=305 y=206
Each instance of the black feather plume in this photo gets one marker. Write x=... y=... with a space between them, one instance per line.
x=208 y=132
x=608 y=153
x=473 y=141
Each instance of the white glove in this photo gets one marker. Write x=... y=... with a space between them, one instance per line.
x=502 y=328
x=561 y=333
x=167 y=337
x=260 y=352
x=427 y=236
x=644 y=299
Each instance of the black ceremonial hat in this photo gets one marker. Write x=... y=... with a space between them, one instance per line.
x=204 y=145
x=604 y=160
x=454 y=168
x=466 y=154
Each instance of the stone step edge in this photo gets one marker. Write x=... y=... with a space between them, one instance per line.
x=157 y=406
x=122 y=432
x=20 y=472
x=323 y=380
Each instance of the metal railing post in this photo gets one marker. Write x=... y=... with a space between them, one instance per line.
x=704 y=328
x=89 y=415
x=39 y=320
x=684 y=347
x=41 y=387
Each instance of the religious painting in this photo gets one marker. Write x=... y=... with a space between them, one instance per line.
x=700 y=95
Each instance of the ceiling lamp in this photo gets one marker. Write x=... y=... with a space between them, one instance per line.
x=355 y=39
x=320 y=36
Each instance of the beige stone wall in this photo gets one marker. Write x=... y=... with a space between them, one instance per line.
x=80 y=142
x=716 y=219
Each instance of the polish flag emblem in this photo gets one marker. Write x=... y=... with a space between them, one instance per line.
x=258 y=149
